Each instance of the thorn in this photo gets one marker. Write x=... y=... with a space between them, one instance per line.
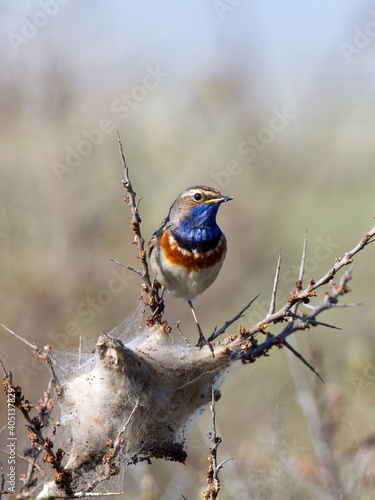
x=347 y=305
x=313 y=321
x=221 y=464
x=299 y=356
x=303 y=259
x=30 y=344
x=215 y=334
x=3 y=367
x=275 y=283
x=137 y=271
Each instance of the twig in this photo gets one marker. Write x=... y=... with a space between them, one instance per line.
x=124 y=427
x=309 y=306
x=326 y=471
x=3 y=367
x=135 y=223
x=44 y=356
x=137 y=271
x=32 y=345
x=304 y=361
x=303 y=260
x=275 y=283
x=213 y=481
x=215 y=334
x=344 y=261
x=311 y=320
x=35 y=425
x=2 y=480
x=256 y=350
x=82 y=494
x=29 y=481
x=299 y=281
x=304 y=296
x=44 y=410
x=110 y=468
x=47 y=357
x=358 y=467
x=29 y=461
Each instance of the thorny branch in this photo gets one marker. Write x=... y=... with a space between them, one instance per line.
x=139 y=242
x=275 y=283
x=44 y=409
x=227 y=324
x=38 y=441
x=45 y=356
x=246 y=346
x=249 y=347
x=2 y=491
x=213 y=482
x=252 y=349
x=207 y=370
x=295 y=323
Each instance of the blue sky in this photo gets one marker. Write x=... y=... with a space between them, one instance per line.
x=284 y=46
x=194 y=33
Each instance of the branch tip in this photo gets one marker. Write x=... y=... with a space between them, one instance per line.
x=135 y=225
x=313 y=321
x=275 y=283
x=304 y=361
x=303 y=259
x=137 y=271
x=216 y=333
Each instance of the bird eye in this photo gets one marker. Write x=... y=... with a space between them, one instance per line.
x=197 y=197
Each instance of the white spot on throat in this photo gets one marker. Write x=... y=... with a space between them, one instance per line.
x=195 y=253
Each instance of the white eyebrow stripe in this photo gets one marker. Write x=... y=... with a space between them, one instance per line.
x=189 y=193
x=194 y=191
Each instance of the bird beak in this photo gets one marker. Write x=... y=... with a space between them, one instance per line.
x=225 y=198
x=222 y=199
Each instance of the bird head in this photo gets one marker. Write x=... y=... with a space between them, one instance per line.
x=198 y=206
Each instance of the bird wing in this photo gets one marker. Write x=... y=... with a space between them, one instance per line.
x=157 y=235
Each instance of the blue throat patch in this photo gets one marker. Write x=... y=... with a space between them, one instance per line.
x=199 y=230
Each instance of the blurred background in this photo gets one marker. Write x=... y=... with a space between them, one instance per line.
x=272 y=103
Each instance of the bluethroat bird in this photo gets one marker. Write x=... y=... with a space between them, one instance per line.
x=188 y=249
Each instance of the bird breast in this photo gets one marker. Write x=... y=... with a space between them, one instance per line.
x=194 y=259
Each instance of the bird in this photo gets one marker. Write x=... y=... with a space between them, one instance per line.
x=188 y=249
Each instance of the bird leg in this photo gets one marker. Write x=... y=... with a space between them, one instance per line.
x=201 y=341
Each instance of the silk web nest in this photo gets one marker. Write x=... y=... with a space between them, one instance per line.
x=132 y=396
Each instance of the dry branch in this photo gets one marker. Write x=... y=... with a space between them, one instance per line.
x=213 y=482
x=139 y=242
x=142 y=396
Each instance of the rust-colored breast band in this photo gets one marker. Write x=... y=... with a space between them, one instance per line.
x=191 y=260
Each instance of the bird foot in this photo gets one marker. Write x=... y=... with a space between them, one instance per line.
x=159 y=308
x=202 y=341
